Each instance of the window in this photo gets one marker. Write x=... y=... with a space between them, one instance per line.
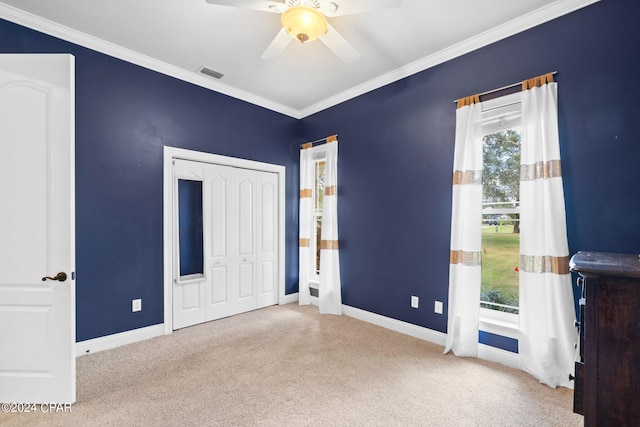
x=318 y=193
x=499 y=298
x=501 y=222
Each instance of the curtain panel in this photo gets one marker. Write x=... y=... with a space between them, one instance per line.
x=330 y=292
x=305 y=223
x=547 y=334
x=466 y=238
x=329 y=288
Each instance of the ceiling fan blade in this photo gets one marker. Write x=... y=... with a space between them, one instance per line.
x=339 y=45
x=263 y=5
x=340 y=8
x=277 y=46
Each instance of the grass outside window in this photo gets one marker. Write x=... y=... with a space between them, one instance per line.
x=500 y=261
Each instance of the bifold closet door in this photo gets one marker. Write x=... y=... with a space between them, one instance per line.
x=240 y=232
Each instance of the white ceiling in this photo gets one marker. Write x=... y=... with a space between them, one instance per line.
x=177 y=37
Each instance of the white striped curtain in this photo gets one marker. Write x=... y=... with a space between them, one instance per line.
x=305 y=220
x=329 y=288
x=330 y=292
x=547 y=335
x=466 y=238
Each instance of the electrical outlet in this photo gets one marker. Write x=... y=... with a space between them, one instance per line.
x=136 y=305
x=414 y=301
x=437 y=307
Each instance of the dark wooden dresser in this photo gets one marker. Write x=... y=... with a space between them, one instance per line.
x=607 y=381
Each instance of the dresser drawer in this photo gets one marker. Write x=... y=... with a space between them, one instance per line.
x=578 y=389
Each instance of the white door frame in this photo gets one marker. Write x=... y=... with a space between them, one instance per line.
x=171 y=153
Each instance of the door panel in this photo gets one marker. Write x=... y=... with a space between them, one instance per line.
x=267 y=277
x=188 y=303
x=218 y=215
x=245 y=218
x=218 y=285
x=267 y=234
x=17 y=356
x=28 y=145
x=190 y=296
x=37 y=318
x=267 y=254
x=245 y=275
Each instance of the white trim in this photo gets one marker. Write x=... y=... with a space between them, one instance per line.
x=171 y=153
x=498 y=355
x=485 y=352
x=395 y=325
x=129 y=337
x=515 y=26
x=499 y=323
x=289 y=299
x=508 y=29
x=55 y=29
x=116 y=340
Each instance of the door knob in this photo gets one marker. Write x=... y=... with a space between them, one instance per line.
x=60 y=277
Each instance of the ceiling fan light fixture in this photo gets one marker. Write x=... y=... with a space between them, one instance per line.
x=304 y=23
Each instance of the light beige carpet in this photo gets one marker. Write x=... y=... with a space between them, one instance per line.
x=290 y=366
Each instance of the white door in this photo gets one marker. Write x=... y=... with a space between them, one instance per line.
x=240 y=244
x=37 y=224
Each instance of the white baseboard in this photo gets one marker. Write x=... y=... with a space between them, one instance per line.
x=498 y=355
x=485 y=352
x=288 y=299
x=129 y=337
x=395 y=325
x=116 y=340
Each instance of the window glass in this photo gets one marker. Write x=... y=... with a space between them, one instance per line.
x=501 y=221
x=318 y=198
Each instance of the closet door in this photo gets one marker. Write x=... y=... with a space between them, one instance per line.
x=242 y=236
x=240 y=239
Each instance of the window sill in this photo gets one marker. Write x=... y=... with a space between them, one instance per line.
x=499 y=323
x=191 y=278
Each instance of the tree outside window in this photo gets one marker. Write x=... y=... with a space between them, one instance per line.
x=318 y=197
x=501 y=221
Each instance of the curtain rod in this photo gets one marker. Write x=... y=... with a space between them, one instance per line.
x=323 y=140
x=502 y=88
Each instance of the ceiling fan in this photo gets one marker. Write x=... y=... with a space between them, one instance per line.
x=306 y=20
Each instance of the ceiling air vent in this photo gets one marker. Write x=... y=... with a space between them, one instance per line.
x=211 y=73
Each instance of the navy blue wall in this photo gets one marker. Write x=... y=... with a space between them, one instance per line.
x=396 y=155
x=125 y=115
x=395 y=162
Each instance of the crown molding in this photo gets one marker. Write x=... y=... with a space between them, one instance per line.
x=85 y=40
x=515 y=26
